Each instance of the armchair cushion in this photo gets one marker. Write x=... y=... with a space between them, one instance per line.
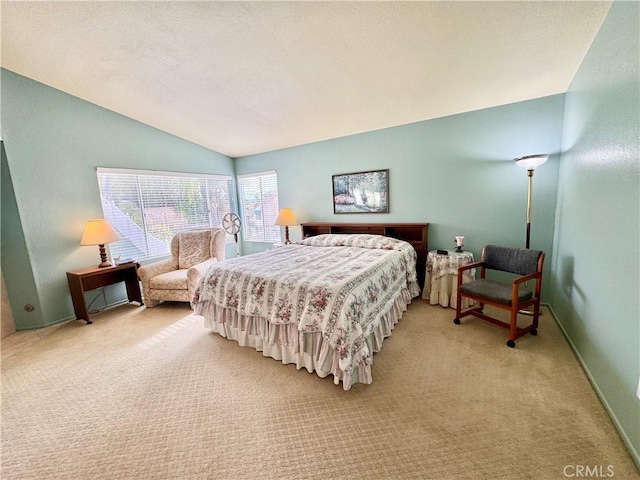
x=194 y=247
x=174 y=280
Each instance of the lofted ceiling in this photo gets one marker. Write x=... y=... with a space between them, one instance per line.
x=248 y=77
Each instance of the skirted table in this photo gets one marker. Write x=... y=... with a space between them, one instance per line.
x=441 y=278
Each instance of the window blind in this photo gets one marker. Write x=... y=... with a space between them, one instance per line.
x=259 y=204
x=148 y=208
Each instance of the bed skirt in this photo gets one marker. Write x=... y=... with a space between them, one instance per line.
x=306 y=350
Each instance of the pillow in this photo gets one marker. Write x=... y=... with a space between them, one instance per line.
x=362 y=240
x=193 y=248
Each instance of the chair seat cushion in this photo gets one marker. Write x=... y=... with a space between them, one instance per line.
x=174 y=280
x=492 y=290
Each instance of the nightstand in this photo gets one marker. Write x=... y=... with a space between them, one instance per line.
x=441 y=277
x=85 y=279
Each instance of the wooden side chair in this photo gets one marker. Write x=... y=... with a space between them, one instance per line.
x=526 y=265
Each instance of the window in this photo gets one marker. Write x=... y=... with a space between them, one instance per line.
x=259 y=205
x=148 y=208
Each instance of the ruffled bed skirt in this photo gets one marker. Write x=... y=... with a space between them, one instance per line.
x=306 y=350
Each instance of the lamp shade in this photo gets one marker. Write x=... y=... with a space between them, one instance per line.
x=530 y=162
x=286 y=217
x=98 y=232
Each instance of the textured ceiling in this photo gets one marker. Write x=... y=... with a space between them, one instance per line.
x=250 y=77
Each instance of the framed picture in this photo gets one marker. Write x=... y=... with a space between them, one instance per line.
x=361 y=192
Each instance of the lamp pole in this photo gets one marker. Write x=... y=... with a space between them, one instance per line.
x=530 y=162
x=530 y=175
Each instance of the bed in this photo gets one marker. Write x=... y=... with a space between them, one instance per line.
x=325 y=303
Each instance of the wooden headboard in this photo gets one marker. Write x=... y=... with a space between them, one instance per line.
x=414 y=233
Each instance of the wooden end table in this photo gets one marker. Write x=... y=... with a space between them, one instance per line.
x=85 y=279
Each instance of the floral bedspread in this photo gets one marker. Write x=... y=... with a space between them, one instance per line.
x=340 y=285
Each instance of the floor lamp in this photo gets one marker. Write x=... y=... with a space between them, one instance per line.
x=530 y=163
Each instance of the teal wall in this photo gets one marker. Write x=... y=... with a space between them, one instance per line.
x=53 y=143
x=595 y=273
x=456 y=172
x=15 y=258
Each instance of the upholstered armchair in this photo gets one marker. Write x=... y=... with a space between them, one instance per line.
x=175 y=279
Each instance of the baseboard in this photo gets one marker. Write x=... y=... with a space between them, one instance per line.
x=635 y=455
x=73 y=317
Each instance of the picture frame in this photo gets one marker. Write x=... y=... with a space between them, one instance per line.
x=361 y=192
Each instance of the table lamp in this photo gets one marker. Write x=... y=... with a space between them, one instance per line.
x=286 y=218
x=459 y=245
x=99 y=232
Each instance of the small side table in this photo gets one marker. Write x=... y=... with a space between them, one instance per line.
x=85 y=279
x=440 y=284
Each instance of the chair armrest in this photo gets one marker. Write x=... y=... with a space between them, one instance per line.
x=147 y=272
x=526 y=278
x=470 y=266
x=195 y=272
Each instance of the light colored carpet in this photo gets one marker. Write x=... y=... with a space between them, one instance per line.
x=150 y=394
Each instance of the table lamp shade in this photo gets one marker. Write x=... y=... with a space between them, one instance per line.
x=98 y=232
x=286 y=218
